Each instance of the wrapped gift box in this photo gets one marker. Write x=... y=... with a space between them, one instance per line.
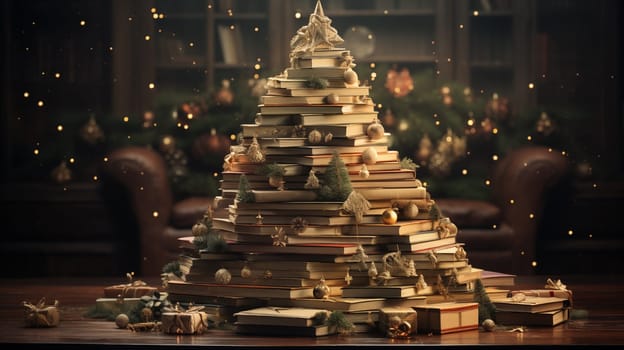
x=115 y=306
x=40 y=315
x=128 y=291
x=397 y=322
x=184 y=322
x=447 y=317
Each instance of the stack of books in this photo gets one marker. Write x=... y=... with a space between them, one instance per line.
x=381 y=243
x=531 y=311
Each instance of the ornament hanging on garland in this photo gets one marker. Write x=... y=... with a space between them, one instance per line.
x=61 y=173
x=167 y=144
x=497 y=108
x=257 y=87
x=91 y=132
x=425 y=148
x=447 y=99
x=178 y=163
x=148 y=119
x=188 y=111
x=388 y=118
x=210 y=144
x=225 y=96
x=545 y=124
x=399 y=84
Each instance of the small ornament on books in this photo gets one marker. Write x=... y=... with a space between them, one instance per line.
x=421 y=284
x=369 y=156
x=39 y=315
x=364 y=172
x=433 y=258
x=280 y=239
x=199 y=229
x=245 y=271
x=398 y=323
x=312 y=182
x=389 y=216
x=223 y=276
x=321 y=290
x=298 y=224
x=315 y=137
x=460 y=253
x=552 y=284
x=410 y=211
x=375 y=130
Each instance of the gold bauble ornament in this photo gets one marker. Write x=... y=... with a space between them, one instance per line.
x=364 y=172
x=225 y=96
x=389 y=216
x=199 y=229
x=350 y=77
x=410 y=212
x=61 y=173
x=315 y=137
x=92 y=132
x=332 y=98
x=121 y=321
x=167 y=144
x=488 y=325
x=370 y=156
x=223 y=276
x=245 y=272
x=375 y=130
x=321 y=290
x=399 y=84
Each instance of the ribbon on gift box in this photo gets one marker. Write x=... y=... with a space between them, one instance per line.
x=132 y=289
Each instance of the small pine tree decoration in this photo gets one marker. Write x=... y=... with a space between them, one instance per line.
x=486 y=308
x=336 y=183
x=338 y=320
x=244 y=190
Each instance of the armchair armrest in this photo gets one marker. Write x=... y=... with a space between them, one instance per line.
x=143 y=173
x=520 y=183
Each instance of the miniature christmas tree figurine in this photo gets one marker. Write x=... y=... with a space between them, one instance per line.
x=487 y=310
x=244 y=190
x=337 y=185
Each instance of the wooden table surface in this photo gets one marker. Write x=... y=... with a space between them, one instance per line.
x=600 y=298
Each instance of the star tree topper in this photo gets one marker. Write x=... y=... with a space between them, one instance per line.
x=317 y=34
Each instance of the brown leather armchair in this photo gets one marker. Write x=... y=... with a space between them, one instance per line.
x=499 y=235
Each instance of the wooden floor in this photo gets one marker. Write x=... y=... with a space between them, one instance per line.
x=599 y=299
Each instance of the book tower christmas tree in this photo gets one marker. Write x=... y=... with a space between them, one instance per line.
x=315 y=210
